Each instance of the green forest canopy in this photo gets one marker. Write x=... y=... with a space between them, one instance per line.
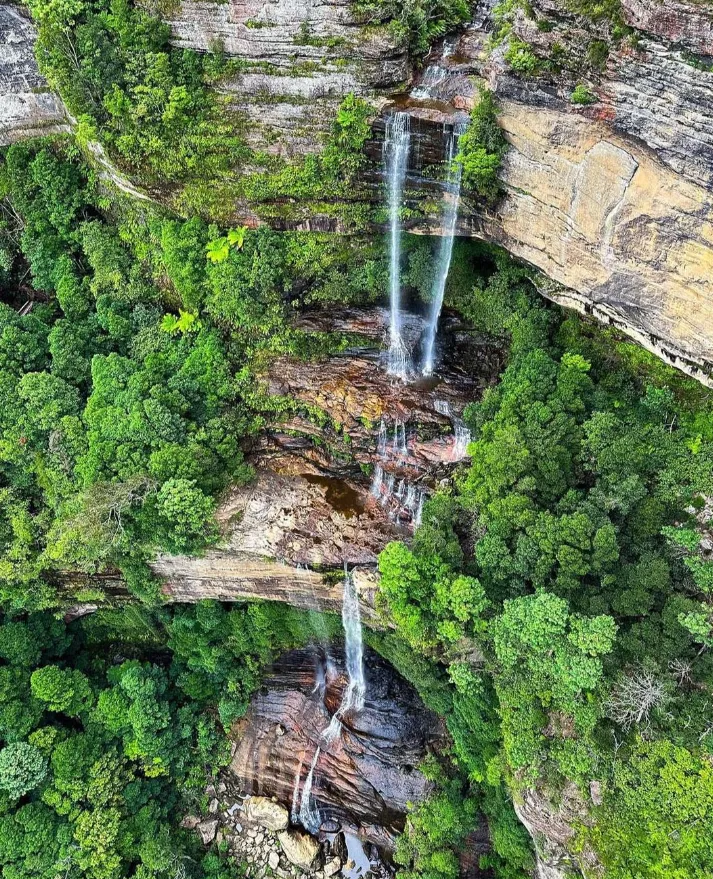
x=554 y=606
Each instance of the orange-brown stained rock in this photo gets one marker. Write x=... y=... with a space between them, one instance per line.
x=368 y=774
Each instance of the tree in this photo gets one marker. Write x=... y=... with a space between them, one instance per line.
x=186 y=513
x=481 y=148
x=634 y=697
x=65 y=690
x=22 y=768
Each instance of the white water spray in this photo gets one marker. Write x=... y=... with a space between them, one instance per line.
x=295 y=811
x=445 y=251
x=309 y=813
x=381 y=447
x=353 y=697
x=395 y=154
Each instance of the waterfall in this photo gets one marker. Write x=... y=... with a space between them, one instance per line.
x=445 y=250
x=295 y=811
x=377 y=481
x=381 y=446
x=309 y=813
x=353 y=698
x=396 y=148
x=418 y=515
x=461 y=434
x=462 y=438
x=397 y=496
x=433 y=76
x=399 y=445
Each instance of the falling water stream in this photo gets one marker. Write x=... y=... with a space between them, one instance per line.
x=309 y=813
x=396 y=149
x=384 y=486
x=445 y=250
x=352 y=700
x=353 y=697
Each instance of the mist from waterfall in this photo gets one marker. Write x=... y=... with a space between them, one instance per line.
x=395 y=154
x=353 y=697
x=445 y=249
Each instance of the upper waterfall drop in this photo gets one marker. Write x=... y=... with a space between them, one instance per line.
x=445 y=250
x=397 y=141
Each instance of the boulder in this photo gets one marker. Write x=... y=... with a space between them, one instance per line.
x=273 y=860
x=207 y=830
x=332 y=867
x=271 y=816
x=300 y=849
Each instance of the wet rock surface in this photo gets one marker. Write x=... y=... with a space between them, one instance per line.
x=344 y=474
x=366 y=776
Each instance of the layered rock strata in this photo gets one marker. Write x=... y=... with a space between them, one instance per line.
x=27 y=107
x=317 y=502
x=298 y=60
x=366 y=776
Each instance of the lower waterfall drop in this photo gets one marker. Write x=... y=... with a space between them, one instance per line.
x=309 y=813
x=353 y=698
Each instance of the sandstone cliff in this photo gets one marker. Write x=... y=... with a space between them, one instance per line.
x=612 y=202
x=27 y=107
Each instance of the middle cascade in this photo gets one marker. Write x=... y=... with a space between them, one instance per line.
x=396 y=149
x=445 y=250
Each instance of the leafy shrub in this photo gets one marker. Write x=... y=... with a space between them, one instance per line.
x=582 y=95
x=22 y=768
x=481 y=148
x=521 y=59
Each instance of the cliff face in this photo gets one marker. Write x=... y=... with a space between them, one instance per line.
x=298 y=59
x=367 y=775
x=340 y=474
x=612 y=202
x=27 y=107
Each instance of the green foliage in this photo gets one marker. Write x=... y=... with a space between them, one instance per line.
x=331 y=174
x=112 y=752
x=435 y=833
x=581 y=95
x=521 y=59
x=22 y=768
x=419 y=23
x=650 y=824
x=481 y=148
x=591 y=616
x=63 y=690
x=148 y=103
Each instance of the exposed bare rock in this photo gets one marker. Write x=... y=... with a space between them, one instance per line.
x=367 y=775
x=658 y=98
x=262 y=811
x=300 y=849
x=283 y=517
x=299 y=59
x=27 y=107
x=689 y=24
x=629 y=238
x=207 y=830
x=600 y=205
x=552 y=828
